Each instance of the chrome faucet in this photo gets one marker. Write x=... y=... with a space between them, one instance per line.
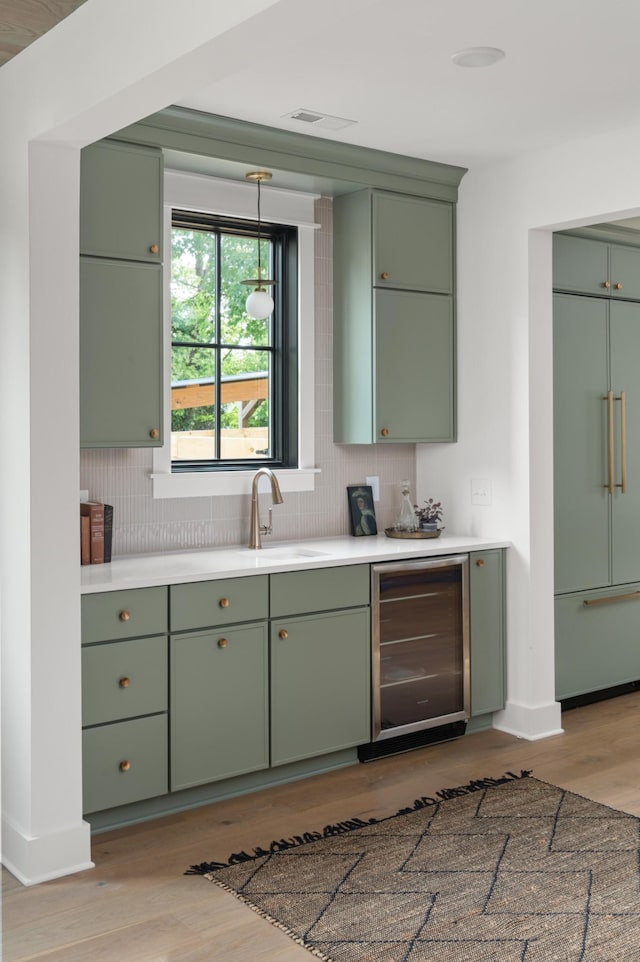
x=256 y=530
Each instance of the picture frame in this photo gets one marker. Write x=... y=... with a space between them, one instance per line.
x=362 y=513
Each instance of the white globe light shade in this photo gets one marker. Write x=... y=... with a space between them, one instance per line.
x=259 y=305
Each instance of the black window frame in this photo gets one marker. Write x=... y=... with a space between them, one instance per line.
x=283 y=409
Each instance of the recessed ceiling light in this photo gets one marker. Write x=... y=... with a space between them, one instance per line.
x=477 y=56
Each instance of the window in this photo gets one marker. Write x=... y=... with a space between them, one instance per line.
x=231 y=375
x=220 y=211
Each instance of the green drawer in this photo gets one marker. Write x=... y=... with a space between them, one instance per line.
x=123 y=679
x=125 y=762
x=203 y=604
x=324 y=589
x=124 y=614
x=597 y=645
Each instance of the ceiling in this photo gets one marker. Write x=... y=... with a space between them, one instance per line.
x=23 y=21
x=570 y=70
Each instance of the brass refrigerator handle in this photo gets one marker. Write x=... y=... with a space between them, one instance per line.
x=589 y=602
x=623 y=442
x=608 y=397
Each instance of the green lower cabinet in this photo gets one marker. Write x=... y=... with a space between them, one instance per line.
x=124 y=762
x=487 y=631
x=320 y=684
x=597 y=640
x=219 y=703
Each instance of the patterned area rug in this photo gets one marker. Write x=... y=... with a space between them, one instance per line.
x=505 y=870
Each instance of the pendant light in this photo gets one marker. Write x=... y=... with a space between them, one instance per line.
x=259 y=303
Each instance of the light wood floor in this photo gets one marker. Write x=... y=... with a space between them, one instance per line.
x=137 y=906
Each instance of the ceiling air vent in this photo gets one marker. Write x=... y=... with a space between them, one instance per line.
x=315 y=119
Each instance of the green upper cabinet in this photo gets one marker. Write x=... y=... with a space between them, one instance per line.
x=586 y=266
x=121 y=369
x=121 y=201
x=394 y=333
x=120 y=354
x=412 y=248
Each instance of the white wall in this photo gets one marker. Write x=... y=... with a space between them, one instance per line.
x=83 y=80
x=505 y=381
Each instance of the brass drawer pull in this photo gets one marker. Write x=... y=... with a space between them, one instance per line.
x=125 y=766
x=154 y=249
x=224 y=603
x=154 y=433
x=124 y=616
x=384 y=276
x=631 y=596
x=124 y=682
x=480 y=563
x=618 y=287
x=222 y=642
x=283 y=634
x=606 y=284
x=385 y=432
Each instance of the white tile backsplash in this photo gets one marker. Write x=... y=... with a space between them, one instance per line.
x=121 y=476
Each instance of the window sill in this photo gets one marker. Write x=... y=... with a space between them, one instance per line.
x=213 y=483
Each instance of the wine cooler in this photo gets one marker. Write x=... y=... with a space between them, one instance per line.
x=420 y=652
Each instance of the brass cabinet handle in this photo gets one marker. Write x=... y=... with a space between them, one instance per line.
x=608 y=397
x=125 y=766
x=623 y=443
x=606 y=284
x=384 y=276
x=222 y=642
x=154 y=433
x=154 y=249
x=385 y=432
x=124 y=616
x=224 y=603
x=618 y=287
x=630 y=596
x=283 y=633
x=124 y=682
x=480 y=562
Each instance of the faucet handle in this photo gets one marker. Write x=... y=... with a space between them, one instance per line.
x=268 y=528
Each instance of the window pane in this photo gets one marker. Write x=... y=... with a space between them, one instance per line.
x=193 y=279
x=245 y=428
x=239 y=262
x=192 y=404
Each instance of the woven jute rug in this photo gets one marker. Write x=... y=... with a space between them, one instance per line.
x=500 y=870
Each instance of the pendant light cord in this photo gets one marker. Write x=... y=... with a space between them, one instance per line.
x=259 y=262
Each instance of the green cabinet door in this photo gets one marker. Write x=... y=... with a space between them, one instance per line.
x=120 y=354
x=625 y=384
x=487 y=631
x=320 y=684
x=597 y=640
x=581 y=265
x=218 y=714
x=581 y=500
x=121 y=201
x=412 y=243
x=414 y=367
x=624 y=271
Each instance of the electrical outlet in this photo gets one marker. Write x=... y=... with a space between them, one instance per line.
x=84 y=495
x=375 y=486
x=481 y=491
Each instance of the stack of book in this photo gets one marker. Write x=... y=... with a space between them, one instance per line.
x=96 y=532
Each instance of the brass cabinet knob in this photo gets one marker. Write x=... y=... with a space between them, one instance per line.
x=283 y=633
x=154 y=248
x=618 y=287
x=480 y=563
x=384 y=276
x=124 y=682
x=125 y=766
x=224 y=602
x=154 y=433
x=222 y=642
x=606 y=284
x=124 y=616
x=385 y=432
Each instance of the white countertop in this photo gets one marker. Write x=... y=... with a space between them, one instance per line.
x=176 y=567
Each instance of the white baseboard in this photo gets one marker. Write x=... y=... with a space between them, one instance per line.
x=38 y=859
x=529 y=721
